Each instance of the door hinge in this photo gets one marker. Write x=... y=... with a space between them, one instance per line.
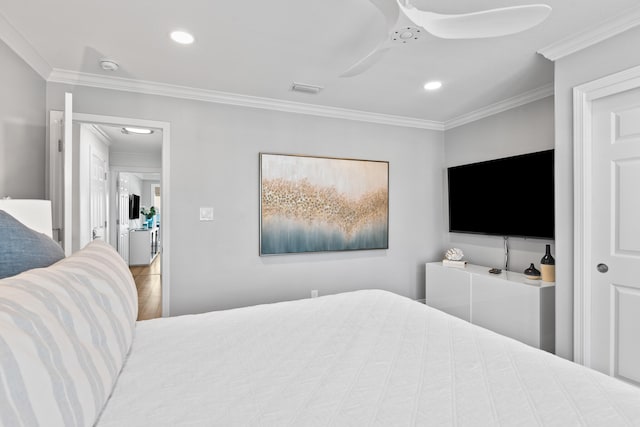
x=60 y=146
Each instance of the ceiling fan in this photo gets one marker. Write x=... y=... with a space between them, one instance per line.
x=483 y=24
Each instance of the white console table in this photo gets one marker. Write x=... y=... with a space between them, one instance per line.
x=143 y=246
x=507 y=303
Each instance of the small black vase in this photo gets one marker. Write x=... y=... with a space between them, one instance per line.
x=532 y=273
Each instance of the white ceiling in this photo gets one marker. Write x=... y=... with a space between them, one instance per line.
x=147 y=176
x=258 y=48
x=131 y=143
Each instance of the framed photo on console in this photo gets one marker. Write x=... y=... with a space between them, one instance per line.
x=320 y=204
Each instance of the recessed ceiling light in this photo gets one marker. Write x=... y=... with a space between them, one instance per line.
x=182 y=37
x=139 y=131
x=432 y=85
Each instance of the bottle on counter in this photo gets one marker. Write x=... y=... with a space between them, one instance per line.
x=548 y=266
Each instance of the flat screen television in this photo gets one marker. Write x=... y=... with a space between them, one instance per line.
x=134 y=206
x=512 y=196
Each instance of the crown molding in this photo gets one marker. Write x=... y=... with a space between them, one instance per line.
x=584 y=39
x=184 y=92
x=23 y=48
x=499 y=107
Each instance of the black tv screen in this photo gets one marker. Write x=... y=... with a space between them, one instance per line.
x=513 y=196
x=134 y=206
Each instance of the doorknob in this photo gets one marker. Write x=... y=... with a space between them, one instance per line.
x=602 y=268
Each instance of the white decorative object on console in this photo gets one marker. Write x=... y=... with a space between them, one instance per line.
x=454 y=254
x=453 y=258
x=507 y=303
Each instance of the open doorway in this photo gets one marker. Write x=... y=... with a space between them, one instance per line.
x=139 y=234
x=135 y=164
x=113 y=165
x=127 y=215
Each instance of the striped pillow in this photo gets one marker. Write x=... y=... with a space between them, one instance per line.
x=66 y=331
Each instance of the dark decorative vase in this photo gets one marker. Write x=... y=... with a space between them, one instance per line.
x=532 y=273
x=548 y=266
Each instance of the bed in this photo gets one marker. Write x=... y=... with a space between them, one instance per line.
x=71 y=353
x=361 y=358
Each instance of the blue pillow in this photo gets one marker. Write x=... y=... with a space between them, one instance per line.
x=22 y=248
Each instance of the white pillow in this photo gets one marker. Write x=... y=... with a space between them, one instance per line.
x=66 y=331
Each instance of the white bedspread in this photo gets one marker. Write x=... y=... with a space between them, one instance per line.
x=355 y=359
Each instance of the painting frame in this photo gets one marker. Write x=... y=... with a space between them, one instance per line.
x=316 y=204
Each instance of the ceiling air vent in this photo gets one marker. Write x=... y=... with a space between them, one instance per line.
x=306 y=88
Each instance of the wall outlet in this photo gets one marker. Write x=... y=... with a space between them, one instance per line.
x=206 y=214
x=314 y=293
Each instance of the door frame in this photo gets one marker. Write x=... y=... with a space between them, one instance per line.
x=164 y=179
x=583 y=98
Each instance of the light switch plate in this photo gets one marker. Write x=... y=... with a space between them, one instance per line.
x=206 y=214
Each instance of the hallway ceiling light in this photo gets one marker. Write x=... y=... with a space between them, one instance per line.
x=139 y=131
x=181 y=37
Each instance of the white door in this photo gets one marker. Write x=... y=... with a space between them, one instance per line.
x=98 y=196
x=60 y=173
x=56 y=172
x=614 y=278
x=123 y=218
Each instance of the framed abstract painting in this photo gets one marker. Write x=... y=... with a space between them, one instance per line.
x=319 y=204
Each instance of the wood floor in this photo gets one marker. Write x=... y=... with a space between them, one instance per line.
x=149 y=284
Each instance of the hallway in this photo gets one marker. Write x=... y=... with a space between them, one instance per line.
x=149 y=284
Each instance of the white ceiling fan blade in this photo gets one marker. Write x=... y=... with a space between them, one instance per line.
x=487 y=23
x=368 y=61
x=391 y=12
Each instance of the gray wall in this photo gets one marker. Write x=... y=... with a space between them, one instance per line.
x=525 y=129
x=616 y=54
x=22 y=128
x=214 y=162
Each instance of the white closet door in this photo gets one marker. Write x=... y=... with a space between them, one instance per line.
x=615 y=236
